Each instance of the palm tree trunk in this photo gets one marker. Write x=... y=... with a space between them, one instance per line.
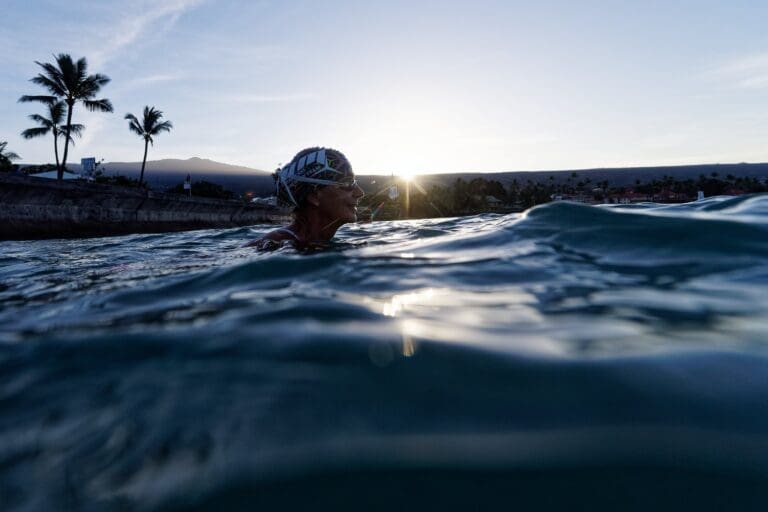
x=66 y=141
x=56 y=149
x=143 y=162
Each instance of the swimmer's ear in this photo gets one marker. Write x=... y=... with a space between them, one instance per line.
x=313 y=198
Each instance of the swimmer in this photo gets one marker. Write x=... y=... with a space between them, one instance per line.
x=320 y=186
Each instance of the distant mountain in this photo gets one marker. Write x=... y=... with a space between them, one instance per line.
x=162 y=174
x=172 y=165
x=167 y=173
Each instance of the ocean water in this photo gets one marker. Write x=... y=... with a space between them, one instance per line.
x=579 y=357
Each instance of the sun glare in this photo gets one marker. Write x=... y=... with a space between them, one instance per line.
x=406 y=176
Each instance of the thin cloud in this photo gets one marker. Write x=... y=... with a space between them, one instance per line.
x=267 y=98
x=94 y=122
x=130 y=29
x=749 y=72
x=533 y=139
x=150 y=80
x=750 y=63
x=755 y=82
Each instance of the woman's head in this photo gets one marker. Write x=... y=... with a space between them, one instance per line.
x=321 y=179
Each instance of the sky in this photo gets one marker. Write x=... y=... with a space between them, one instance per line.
x=405 y=87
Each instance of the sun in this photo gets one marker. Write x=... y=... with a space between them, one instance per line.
x=406 y=176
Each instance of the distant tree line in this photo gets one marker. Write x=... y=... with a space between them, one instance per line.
x=6 y=157
x=204 y=189
x=480 y=195
x=712 y=185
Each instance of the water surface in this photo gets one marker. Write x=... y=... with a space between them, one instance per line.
x=610 y=356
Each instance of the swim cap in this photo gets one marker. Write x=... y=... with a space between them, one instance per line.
x=308 y=169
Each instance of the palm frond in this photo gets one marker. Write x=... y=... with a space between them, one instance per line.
x=57 y=111
x=134 y=125
x=55 y=87
x=165 y=126
x=91 y=85
x=136 y=128
x=41 y=120
x=54 y=78
x=102 y=105
x=63 y=135
x=81 y=69
x=69 y=72
x=39 y=99
x=150 y=118
x=98 y=80
x=75 y=129
x=8 y=156
x=49 y=68
x=31 y=133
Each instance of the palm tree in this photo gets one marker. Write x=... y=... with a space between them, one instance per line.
x=71 y=82
x=149 y=126
x=6 y=156
x=52 y=123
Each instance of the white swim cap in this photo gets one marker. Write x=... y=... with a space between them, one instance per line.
x=310 y=168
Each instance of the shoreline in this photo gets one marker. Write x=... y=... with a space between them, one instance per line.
x=38 y=208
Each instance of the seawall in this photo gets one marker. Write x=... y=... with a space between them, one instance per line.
x=37 y=208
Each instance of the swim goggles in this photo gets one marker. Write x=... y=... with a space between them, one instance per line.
x=347 y=186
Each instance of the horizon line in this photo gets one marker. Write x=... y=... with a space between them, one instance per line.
x=396 y=174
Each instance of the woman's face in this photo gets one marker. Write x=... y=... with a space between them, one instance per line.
x=339 y=202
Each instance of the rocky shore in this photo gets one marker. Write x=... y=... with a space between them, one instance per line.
x=37 y=208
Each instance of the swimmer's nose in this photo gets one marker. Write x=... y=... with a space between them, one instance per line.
x=359 y=192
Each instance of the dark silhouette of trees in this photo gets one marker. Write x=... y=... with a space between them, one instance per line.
x=70 y=82
x=472 y=197
x=204 y=189
x=6 y=157
x=52 y=124
x=118 y=180
x=149 y=126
